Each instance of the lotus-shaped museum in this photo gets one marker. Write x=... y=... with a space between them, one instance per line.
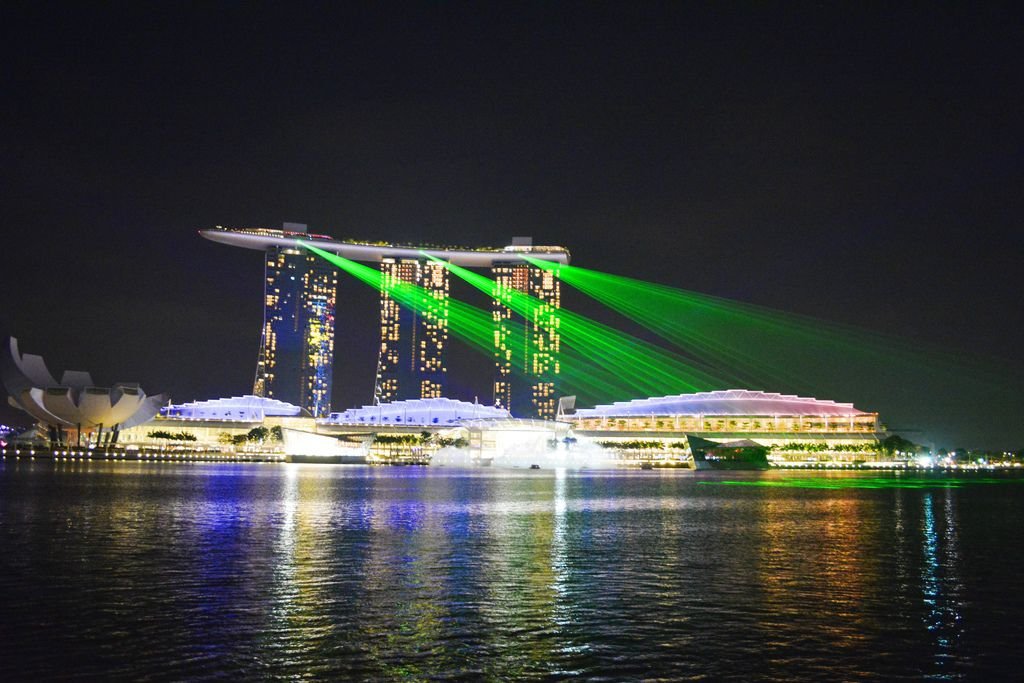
x=75 y=401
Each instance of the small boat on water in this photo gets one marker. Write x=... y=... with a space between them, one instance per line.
x=731 y=455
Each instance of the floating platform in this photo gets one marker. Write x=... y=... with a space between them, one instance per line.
x=328 y=459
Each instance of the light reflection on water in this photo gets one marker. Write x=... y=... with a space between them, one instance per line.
x=303 y=571
x=940 y=586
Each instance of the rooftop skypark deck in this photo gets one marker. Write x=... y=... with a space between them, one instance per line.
x=475 y=257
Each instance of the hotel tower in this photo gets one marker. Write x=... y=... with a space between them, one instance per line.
x=296 y=353
x=297 y=344
x=526 y=349
x=413 y=344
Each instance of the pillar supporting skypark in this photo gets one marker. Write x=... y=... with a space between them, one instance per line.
x=296 y=352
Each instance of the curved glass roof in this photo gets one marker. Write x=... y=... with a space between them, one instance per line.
x=731 y=402
x=245 y=408
x=423 y=411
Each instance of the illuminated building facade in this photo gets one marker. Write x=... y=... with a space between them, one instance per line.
x=297 y=346
x=413 y=344
x=792 y=427
x=526 y=352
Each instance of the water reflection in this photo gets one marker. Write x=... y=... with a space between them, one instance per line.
x=306 y=571
x=939 y=583
x=816 y=581
x=300 y=580
x=559 y=554
x=519 y=610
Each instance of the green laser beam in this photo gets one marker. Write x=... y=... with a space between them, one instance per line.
x=646 y=368
x=476 y=328
x=765 y=345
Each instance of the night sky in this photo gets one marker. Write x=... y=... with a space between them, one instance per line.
x=859 y=165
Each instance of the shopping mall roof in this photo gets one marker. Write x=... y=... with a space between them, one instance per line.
x=241 y=408
x=731 y=402
x=422 y=411
x=266 y=238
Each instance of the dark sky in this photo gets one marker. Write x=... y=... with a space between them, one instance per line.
x=860 y=165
